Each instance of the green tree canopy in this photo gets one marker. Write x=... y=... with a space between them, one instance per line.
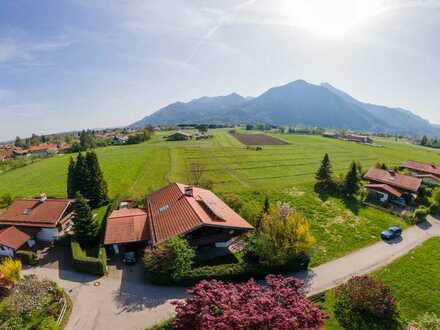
x=351 y=182
x=96 y=187
x=85 y=227
x=324 y=180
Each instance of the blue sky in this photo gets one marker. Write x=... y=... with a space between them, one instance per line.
x=74 y=64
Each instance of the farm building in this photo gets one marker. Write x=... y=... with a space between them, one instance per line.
x=429 y=173
x=388 y=186
x=198 y=214
x=358 y=138
x=42 y=218
x=178 y=136
x=43 y=150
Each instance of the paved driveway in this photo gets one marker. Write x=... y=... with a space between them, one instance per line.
x=123 y=301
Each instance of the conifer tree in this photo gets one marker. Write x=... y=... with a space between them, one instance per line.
x=85 y=227
x=324 y=180
x=96 y=186
x=81 y=175
x=72 y=187
x=264 y=211
x=351 y=182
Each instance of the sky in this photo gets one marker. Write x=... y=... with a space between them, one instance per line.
x=76 y=64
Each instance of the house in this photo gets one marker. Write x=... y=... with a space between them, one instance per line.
x=178 y=136
x=6 y=153
x=358 y=138
x=20 y=152
x=176 y=210
x=388 y=186
x=12 y=239
x=43 y=218
x=429 y=173
x=43 y=150
x=330 y=134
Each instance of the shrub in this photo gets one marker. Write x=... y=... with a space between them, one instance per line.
x=49 y=323
x=428 y=321
x=278 y=304
x=27 y=257
x=85 y=264
x=11 y=269
x=365 y=303
x=183 y=255
x=421 y=213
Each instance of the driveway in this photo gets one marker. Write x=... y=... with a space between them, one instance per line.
x=124 y=301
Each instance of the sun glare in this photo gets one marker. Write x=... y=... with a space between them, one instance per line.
x=332 y=17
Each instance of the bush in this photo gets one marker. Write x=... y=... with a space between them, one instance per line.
x=63 y=241
x=27 y=257
x=11 y=269
x=49 y=323
x=364 y=303
x=421 y=213
x=89 y=265
x=278 y=304
x=428 y=321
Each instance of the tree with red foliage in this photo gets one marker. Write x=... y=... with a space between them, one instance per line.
x=366 y=303
x=278 y=304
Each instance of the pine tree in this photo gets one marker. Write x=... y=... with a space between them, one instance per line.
x=85 y=227
x=72 y=187
x=351 y=182
x=424 y=140
x=81 y=175
x=264 y=211
x=324 y=180
x=96 y=186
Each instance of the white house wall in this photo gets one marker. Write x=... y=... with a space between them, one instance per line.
x=6 y=251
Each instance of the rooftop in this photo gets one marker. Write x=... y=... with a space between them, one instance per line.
x=422 y=167
x=13 y=238
x=395 y=180
x=127 y=225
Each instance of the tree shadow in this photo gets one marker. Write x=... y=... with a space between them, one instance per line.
x=135 y=294
x=352 y=204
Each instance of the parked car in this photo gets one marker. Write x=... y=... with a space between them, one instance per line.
x=392 y=232
x=129 y=258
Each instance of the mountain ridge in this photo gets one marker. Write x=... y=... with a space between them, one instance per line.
x=297 y=103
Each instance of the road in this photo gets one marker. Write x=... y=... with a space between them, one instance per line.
x=123 y=301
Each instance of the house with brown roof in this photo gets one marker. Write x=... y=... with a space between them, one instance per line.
x=177 y=210
x=12 y=239
x=358 y=138
x=42 y=218
x=178 y=136
x=43 y=150
x=389 y=186
x=429 y=173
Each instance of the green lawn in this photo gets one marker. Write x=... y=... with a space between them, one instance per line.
x=283 y=172
x=414 y=280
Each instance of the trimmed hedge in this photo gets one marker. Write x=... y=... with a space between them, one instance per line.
x=89 y=265
x=27 y=257
x=237 y=272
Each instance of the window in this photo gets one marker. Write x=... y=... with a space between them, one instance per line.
x=164 y=208
x=27 y=211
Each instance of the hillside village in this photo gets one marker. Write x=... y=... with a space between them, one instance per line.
x=181 y=233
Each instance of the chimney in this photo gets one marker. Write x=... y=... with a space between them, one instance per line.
x=189 y=191
x=43 y=198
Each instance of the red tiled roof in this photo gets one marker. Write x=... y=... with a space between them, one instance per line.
x=13 y=237
x=127 y=225
x=172 y=213
x=43 y=147
x=398 y=181
x=35 y=213
x=422 y=167
x=386 y=188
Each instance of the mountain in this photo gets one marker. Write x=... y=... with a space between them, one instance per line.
x=298 y=103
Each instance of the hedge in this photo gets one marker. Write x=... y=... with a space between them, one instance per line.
x=237 y=272
x=85 y=264
x=27 y=257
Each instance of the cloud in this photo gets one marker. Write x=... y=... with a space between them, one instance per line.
x=17 y=51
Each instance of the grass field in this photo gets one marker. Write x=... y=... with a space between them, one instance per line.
x=284 y=172
x=414 y=280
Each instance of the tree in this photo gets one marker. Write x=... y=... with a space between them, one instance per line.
x=264 y=211
x=85 y=227
x=424 y=140
x=324 y=180
x=278 y=304
x=19 y=142
x=283 y=235
x=183 y=256
x=11 y=269
x=81 y=174
x=351 y=182
x=364 y=303
x=96 y=187
x=72 y=187
x=87 y=140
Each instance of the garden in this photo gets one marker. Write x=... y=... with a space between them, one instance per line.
x=30 y=303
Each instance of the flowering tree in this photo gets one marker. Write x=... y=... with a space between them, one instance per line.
x=11 y=269
x=278 y=304
x=366 y=303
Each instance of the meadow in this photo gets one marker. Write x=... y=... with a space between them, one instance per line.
x=414 y=280
x=283 y=172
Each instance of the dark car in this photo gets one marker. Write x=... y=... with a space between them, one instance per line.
x=129 y=258
x=392 y=232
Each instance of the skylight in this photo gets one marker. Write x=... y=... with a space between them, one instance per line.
x=164 y=208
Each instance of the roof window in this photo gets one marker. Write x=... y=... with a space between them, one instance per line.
x=27 y=211
x=164 y=208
